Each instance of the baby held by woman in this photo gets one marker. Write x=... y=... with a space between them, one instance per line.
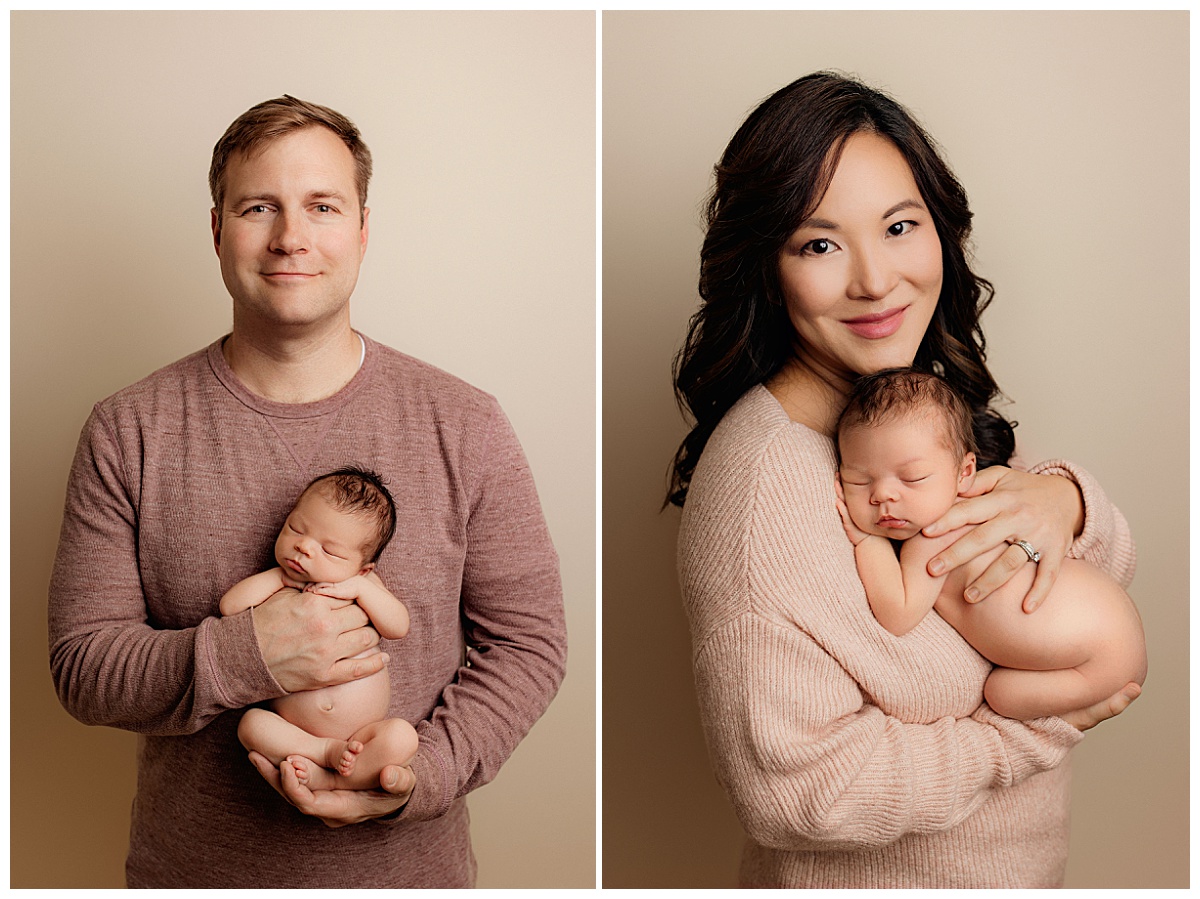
x=336 y=737
x=905 y=453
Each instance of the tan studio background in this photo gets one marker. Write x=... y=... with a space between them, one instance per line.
x=481 y=261
x=1070 y=133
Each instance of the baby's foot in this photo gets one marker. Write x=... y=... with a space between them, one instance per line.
x=304 y=768
x=312 y=775
x=342 y=756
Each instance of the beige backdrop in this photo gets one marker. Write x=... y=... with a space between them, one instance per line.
x=482 y=261
x=1070 y=133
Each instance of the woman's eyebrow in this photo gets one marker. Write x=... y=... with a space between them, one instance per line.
x=901 y=206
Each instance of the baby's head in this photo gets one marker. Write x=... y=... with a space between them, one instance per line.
x=338 y=527
x=906 y=449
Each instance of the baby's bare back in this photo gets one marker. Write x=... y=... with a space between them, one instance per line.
x=1086 y=619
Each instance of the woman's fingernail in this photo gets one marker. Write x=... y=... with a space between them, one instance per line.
x=973 y=594
x=937 y=566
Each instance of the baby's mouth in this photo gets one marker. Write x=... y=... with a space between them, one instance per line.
x=888 y=521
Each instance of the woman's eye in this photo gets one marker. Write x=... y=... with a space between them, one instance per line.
x=900 y=228
x=819 y=247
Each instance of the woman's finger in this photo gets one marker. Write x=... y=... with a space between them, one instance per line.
x=1047 y=574
x=986 y=480
x=975 y=542
x=975 y=510
x=1085 y=719
x=996 y=575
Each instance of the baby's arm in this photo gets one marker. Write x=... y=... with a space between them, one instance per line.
x=254 y=590
x=900 y=591
x=388 y=614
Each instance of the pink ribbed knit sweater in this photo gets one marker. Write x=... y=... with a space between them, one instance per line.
x=178 y=489
x=855 y=758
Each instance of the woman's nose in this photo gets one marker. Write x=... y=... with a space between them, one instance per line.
x=873 y=275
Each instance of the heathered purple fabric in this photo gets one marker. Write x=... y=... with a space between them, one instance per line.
x=178 y=488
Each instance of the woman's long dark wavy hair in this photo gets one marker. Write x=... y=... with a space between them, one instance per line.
x=770 y=179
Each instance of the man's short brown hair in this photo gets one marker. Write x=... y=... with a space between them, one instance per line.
x=273 y=119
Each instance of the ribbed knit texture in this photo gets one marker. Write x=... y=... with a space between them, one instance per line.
x=178 y=489
x=855 y=758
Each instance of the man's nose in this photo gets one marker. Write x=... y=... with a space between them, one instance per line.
x=290 y=234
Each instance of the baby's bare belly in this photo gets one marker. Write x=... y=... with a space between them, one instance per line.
x=1086 y=618
x=340 y=710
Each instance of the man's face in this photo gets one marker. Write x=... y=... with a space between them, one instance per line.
x=291 y=235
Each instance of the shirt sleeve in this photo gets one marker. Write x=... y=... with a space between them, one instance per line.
x=792 y=674
x=110 y=665
x=515 y=629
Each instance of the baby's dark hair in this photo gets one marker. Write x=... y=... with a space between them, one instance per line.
x=898 y=391
x=360 y=491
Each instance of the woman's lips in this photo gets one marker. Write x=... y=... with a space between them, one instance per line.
x=880 y=324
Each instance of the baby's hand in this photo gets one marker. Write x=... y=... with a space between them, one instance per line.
x=295 y=585
x=347 y=589
x=853 y=532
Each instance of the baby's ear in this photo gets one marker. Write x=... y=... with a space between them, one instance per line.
x=966 y=472
x=368 y=568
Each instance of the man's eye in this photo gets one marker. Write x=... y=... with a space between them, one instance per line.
x=257 y=209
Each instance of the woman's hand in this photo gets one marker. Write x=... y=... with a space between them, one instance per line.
x=1085 y=719
x=1008 y=505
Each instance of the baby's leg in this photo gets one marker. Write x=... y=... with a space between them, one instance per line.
x=389 y=742
x=1026 y=695
x=278 y=739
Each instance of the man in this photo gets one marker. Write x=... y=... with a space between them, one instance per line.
x=178 y=487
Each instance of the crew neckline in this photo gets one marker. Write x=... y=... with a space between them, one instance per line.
x=231 y=382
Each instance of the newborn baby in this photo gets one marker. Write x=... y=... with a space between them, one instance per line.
x=906 y=450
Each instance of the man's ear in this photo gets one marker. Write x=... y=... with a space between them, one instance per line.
x=966 y=472
x=216 y=230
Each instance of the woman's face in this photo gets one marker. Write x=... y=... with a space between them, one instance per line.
x=861 y=276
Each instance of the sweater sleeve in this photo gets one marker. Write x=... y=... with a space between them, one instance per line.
x=111 y=666
x=810 y=763
x=515 y=629
x=794 y=676
x=1106 y=541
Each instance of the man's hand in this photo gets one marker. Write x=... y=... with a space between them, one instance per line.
x=337 y=808
x=309 y=641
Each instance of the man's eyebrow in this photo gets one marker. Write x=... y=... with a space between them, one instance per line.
x=322 y=194
x=253 y=198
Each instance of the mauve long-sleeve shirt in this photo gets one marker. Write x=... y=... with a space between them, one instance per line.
x=178 y=488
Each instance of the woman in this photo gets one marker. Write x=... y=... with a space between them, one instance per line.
x=836 y=247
